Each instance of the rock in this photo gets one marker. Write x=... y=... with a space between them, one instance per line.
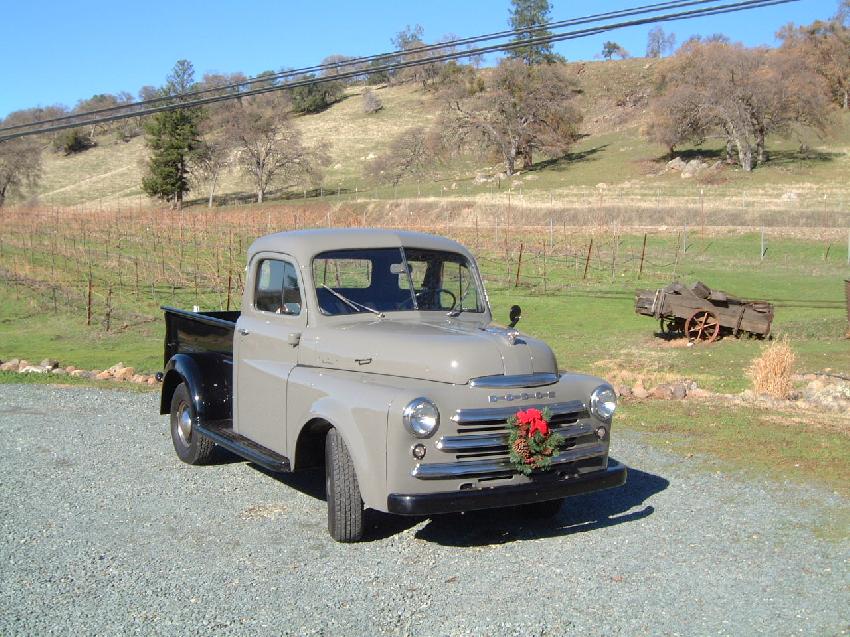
x=151 y=380
x=481 y=179
x=639 y=391
x=10 y=366
x=678 y=391
x=59 y=372
x=662 y=392
x=677 y=163
x=698 y=393
x=104 y=375
x=49 y=363
x=32 y=369
x=23 y=363
x=124 y=374
x=81 y=373
x=623 y=390
x=139 y=378
x=117 y=367
x=70 y=368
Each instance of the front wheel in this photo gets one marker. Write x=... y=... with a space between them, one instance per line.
x=345 y=506
x=190 y=447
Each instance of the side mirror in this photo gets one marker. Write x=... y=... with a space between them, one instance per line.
x=515 y=315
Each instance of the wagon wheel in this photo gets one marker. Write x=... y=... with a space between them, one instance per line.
x=702 y=326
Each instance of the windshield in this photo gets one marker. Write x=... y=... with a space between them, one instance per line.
x=394 y=280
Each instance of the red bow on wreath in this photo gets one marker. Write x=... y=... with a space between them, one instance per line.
x=532 y=442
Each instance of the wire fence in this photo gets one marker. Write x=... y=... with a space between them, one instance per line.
x=115 y=267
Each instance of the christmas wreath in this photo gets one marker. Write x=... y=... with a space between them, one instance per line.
x=532 y=442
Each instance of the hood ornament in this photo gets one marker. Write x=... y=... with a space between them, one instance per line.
x=512 y=336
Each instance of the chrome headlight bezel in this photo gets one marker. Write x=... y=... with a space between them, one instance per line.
x=603 y=403
x=421 y=417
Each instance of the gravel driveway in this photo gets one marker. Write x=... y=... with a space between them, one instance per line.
x=105 y=532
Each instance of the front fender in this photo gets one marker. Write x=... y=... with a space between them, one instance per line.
x=356 y=405
x=209 y=377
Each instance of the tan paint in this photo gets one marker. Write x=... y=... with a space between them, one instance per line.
x=358 y=372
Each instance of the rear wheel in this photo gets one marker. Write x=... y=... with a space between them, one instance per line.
x=190 y=447
x=345 y=506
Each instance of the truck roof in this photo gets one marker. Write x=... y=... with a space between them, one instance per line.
x=305 y=244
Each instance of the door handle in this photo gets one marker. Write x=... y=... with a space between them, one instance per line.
x=293 y=338
x=243 y=331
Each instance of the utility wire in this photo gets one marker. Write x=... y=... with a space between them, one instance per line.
x=392 y=66
x=442 y=46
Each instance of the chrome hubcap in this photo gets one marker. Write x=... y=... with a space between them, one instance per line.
x=184 y=424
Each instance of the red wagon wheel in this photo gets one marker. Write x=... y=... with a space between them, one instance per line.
x=702 y=326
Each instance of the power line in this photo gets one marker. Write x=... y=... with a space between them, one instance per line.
x=733 y=7
x=673 y=4
x=294 y=73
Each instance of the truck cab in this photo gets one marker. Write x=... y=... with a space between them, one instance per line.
x=373 y=353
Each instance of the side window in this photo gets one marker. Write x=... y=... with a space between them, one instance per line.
x=276 y=289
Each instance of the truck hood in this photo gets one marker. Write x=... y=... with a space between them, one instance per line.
x=451 y=351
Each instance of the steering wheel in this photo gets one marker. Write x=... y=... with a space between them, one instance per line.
x=436 y=292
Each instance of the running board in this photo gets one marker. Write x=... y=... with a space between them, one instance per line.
x=224 y=436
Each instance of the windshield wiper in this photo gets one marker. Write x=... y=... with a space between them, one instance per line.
x=353 y=304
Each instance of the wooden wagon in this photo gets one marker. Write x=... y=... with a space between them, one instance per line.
x=703 y=314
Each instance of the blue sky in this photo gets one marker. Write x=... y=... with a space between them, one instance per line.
x=60 y=52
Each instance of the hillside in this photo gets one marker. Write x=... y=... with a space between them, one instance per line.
x=611 y=161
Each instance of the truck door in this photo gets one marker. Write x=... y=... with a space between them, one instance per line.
x=266 y=348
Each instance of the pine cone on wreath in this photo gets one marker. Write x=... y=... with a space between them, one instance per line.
x=521 y=448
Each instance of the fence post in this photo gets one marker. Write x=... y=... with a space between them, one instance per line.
x=761 y=249
x=587 y=261
x=544 y=267
x=108 y=307
x=518 y=266
x=88 y=301
x=642 y=255
x=229 y=285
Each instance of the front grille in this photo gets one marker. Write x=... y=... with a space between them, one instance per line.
x=480 y=447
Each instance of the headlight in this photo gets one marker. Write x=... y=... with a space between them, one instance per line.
x=603 y=402
x=421 y=417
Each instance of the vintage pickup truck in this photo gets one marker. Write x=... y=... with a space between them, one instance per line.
x=371 y=353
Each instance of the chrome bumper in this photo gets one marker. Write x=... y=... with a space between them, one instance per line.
x=509 y=495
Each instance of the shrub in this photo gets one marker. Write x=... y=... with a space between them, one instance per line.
x=72 y=141
x=771 y=371
x=314 y=98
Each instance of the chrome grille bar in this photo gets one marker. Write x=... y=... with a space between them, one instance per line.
x=540 y=379
x=500 y=467
x=463 y=416
x=498 y=441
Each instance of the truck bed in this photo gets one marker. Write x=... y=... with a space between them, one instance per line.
x=196 y=332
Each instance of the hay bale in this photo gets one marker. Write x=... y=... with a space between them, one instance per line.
x=771 y=372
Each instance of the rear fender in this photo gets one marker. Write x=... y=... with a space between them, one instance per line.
x=208 y=376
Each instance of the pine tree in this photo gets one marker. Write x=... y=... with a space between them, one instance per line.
x=530 y=14
x=172 y=137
